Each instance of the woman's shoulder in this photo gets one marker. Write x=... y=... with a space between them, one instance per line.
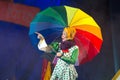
x=73 y=47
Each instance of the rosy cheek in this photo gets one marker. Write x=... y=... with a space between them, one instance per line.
x=63 y=36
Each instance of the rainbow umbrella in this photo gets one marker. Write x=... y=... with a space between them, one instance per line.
x=51 y=22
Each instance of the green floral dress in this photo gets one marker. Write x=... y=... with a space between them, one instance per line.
x=64 y=69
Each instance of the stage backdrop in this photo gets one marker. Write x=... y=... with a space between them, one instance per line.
x=17 y=13
x=20 y=61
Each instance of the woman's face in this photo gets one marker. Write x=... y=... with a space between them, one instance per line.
x=64 y=36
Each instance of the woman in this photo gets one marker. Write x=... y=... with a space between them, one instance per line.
x=67 y=51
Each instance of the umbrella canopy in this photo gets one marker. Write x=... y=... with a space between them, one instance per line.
x=51 y=22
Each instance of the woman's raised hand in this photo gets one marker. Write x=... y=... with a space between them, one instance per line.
x=40 y=36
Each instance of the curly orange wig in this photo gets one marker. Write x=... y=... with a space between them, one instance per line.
x=70 y=32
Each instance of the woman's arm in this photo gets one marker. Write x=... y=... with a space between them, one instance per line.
x=73 y=58
x=42 y=45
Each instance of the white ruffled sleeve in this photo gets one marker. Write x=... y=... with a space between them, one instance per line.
x=42 y=44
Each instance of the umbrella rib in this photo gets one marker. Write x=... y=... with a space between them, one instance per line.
x=78 y=20
x=73 y=16
x=89 y=40
x=59 y=15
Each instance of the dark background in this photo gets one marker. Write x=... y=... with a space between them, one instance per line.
x=20 y=61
